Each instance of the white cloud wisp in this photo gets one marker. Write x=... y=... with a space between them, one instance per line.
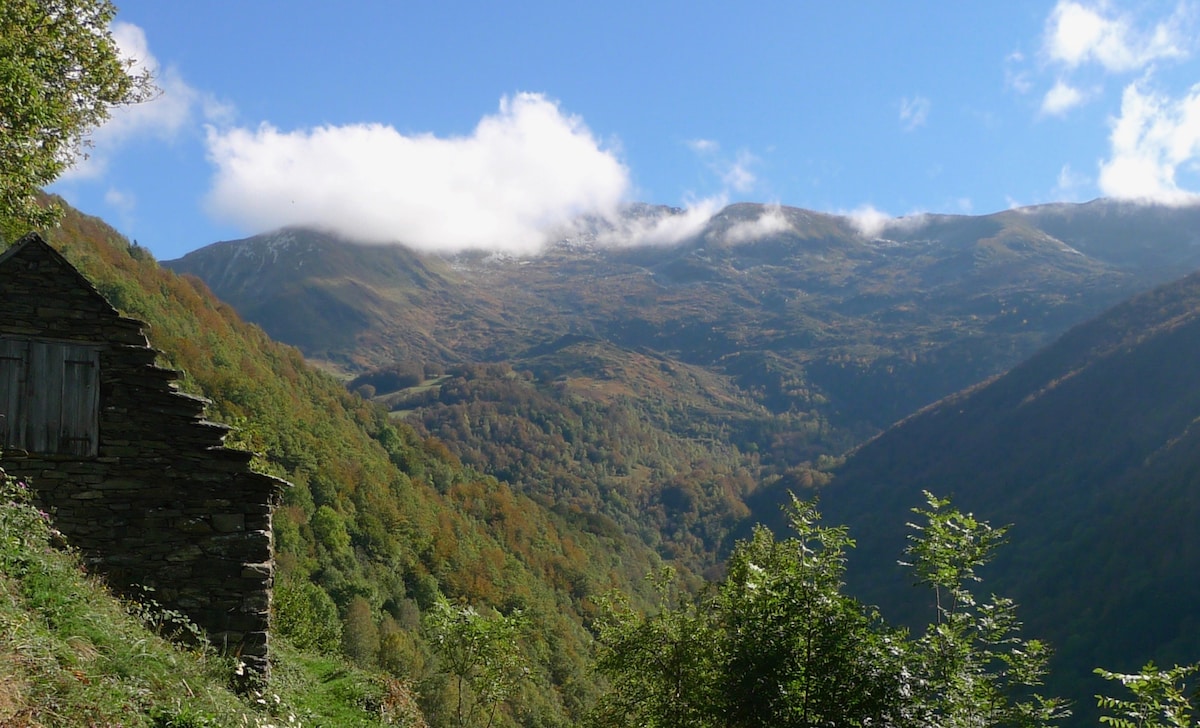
x=914 y=112
x=1078 y=33
x=1152 y=139
x=736 y=174
x=871 y=222
x=662 y=229
x=523 y=172
x=1061 y=98
x=771 y=222
x=161 y=117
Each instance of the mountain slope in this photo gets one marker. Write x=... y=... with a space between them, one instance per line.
x=775 y=336
x=1091 y=449
x=924 y=308
x=318 y=293
x=382 y=521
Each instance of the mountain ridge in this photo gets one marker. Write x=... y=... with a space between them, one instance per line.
x=815 y=335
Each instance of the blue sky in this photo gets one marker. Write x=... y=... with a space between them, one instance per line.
x=465 y=124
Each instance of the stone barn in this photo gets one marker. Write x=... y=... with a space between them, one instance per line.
x=130 y=470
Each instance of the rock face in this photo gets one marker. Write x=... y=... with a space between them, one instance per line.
x=128 y=467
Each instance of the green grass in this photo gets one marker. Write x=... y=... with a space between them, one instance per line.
x=73 y=655
x=325 y=691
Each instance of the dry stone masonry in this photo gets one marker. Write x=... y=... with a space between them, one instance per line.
x=130 y=470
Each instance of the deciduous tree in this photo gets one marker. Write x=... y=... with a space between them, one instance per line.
x=61 y=73
x=975 y=669
x=663 y=668
x=481 y=655
x=1161 y=698
x=778 y=643
x=799 y=652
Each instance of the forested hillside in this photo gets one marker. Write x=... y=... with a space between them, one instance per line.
x=382 y=524
x=1090 y=450
x=630 y=441
x=480 y=600
x=661 y=386
x=548 y=457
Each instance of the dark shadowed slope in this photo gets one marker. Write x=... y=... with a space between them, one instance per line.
x=1091 y=449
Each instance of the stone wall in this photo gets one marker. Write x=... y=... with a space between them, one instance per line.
x=163 y=504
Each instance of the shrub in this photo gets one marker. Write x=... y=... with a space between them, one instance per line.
x=307 y=616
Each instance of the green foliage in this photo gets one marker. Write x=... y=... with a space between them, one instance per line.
x=170 y=624
x=323 y=690
x=777 y=644
x=481 y=655
x=330 y=531
x=663 y=669
x=306 y=615
x=799 y=651
x=360 y=638
x=626 y=456
x=24 y=529
x=60 y=74
x=975 y=670
x=1161 y=698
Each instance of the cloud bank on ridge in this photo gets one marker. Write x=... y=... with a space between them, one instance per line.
x=523 y=171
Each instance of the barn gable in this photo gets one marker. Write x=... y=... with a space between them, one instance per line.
x=128 y=466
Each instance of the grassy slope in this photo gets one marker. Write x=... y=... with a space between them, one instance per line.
x=73 y=655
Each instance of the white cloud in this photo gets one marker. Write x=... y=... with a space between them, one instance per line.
x=1153 y=137
x=1061 y=99
x=1014 y=77
x=663 y=229
x=123 y=203
x=737 y=175
x=770 y=222
x=913 y=112
x=1070 y=183
x=522 y=172
x=1078 y=33
x=162 y=117
x=871 y=222
x=120 y=200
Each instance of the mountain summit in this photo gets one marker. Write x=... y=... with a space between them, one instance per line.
x=923 y=306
